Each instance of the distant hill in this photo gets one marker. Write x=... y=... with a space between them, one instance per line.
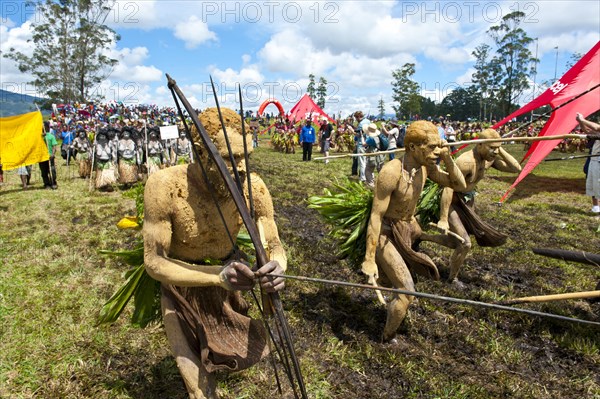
x=16 y=104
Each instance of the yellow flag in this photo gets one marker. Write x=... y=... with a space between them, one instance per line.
x=21 y=141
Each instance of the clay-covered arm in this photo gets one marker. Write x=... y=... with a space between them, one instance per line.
x=386 y=182
x=452 y=177
x=265 y=215
x=506 y=162
x=157 y=241
x=445 y=201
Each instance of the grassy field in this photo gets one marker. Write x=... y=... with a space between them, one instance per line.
x=53 y=283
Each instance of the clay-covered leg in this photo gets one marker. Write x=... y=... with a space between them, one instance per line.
x=392 y=264
x=462 y=249
x=200 y=384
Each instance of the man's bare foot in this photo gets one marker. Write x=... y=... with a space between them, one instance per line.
x=458 y=284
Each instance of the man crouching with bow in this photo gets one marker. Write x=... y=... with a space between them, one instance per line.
x=204 y=314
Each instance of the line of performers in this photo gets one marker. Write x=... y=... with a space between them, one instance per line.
x=125 y=155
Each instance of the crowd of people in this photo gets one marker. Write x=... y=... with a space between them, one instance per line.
x=112 y=143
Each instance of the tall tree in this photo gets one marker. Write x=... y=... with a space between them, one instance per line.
x=485 y=79
x=462 y=103
x=428 y=107
x=70 y=41
x=321 y=92
x=405 y=91
x=573 y=59
x=381 y=108
x=513 y=57
x=311 y=89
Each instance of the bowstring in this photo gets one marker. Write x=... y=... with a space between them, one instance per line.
x=280 y=325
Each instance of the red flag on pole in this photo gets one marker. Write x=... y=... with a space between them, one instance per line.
x=583 y=76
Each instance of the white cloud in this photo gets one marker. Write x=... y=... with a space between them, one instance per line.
x=130 y=67
x=287 y=51
x=445 y=56
x=465 y=78
x=6 y=21
x=248 y=74
x=15 y=38
x=131 y=56
x=193 y=32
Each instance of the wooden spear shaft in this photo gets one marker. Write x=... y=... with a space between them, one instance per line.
x=467 y=142
x=518 y=139
x=370 y=154
x=553 y=297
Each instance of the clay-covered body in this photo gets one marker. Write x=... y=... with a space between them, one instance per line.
x=397 y=191
x=473 y=165
x=182 y=229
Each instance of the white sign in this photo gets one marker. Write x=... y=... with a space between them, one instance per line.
x=169 y=132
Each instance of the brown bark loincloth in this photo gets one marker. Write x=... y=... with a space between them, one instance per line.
x=402 y=234
x=486 y=235
x=217 y=327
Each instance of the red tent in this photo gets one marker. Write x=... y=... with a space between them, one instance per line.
x=583 y=77
x=305 y=108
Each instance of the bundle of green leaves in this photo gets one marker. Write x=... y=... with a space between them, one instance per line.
x=347 y=209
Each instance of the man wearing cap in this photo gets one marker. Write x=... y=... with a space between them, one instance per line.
x=393 y=227
x=326 y=131
x=359 y=163
x=392 y=136
x=375 y=161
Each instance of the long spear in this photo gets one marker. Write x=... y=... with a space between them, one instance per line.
x=465 y=142
x=552 y=297
x=519 y=139
x=439 y=298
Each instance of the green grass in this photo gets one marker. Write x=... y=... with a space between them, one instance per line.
x=53 y=283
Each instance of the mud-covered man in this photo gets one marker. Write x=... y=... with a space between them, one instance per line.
x=204 y=313
x=392 y=226
x=457 y=206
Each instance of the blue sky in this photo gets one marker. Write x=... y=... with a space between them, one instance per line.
x=270 y=47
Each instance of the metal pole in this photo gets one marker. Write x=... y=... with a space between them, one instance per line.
x=556 y=63
x=439 y=298
x=534 y=74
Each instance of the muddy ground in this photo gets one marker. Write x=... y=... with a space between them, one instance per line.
x=444 y=349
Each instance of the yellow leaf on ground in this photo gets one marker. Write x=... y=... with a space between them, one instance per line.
x=128 y=222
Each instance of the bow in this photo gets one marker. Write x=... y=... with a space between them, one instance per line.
x=261 y=255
